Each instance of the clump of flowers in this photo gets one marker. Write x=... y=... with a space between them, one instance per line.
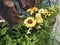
x=32 y=21
x=38 y=19
x=44 y=12
x=53 y=9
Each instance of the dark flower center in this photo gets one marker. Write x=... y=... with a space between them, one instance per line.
x=30 y=21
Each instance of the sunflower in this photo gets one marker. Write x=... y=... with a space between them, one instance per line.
x=45 y=13
x=30 y=22
x=48 y=14
x=41 y=11
x=39 y=19
x=32 y=10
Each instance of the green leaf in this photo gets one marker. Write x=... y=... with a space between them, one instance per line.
x=27 y=38
x=19 y=40
x=4 y=24
x=8 y=38
x=11 y=43
x=3 y=31
x=24 y=43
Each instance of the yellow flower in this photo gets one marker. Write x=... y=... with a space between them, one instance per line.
x=30 y=22
x=48 y=14
x=29 y=10
x=45 y=12
x=35 y=9
x=38 y=15
x=41 y=11
x=39 y=19
x=32 y=10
